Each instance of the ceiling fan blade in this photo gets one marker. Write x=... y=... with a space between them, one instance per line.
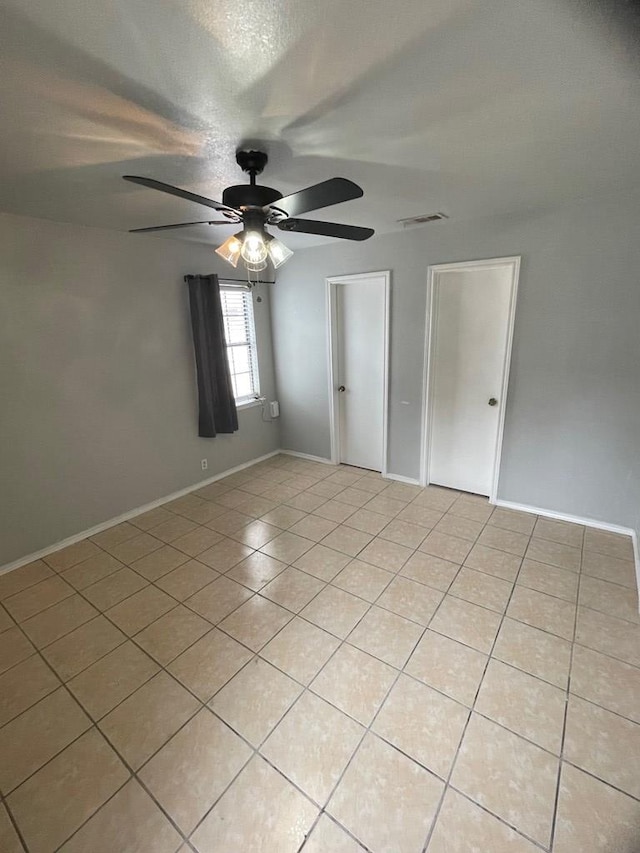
x=167 y=188
x=326 y=229
x=325 y=194
x=183 y=225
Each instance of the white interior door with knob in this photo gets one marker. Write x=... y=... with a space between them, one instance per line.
x=471 y=320
x=358 y=311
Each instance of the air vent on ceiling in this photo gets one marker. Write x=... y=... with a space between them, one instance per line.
x=420 y=220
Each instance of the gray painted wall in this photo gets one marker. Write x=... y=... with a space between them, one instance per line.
x=572 y=432
x=97 y=379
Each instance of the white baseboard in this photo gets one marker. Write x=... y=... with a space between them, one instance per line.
x=307 y=456
x=587 y=522
x=98 y=528
x=400 y=479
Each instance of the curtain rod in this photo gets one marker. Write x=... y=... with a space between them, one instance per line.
x=240 y=281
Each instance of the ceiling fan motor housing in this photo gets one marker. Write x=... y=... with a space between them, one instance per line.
x=249 y=195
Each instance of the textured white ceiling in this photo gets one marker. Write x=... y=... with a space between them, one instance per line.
x=471 y=107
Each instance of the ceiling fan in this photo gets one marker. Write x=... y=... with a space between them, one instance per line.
x=255 y=207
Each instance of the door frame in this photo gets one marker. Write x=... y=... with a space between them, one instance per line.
x=331 y=285
x=512 y=263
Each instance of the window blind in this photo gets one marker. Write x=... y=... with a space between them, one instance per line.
x=239 y=329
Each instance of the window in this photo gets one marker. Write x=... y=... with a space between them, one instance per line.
x=239 y=330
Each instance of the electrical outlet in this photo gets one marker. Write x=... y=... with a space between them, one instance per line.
x=204 y=464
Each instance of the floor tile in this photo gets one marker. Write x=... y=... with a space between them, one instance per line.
x=145 y=721
x=508 y=519
x=534 y=651
x=471 y=507
x=159 y=563
x=58 y=620
x=256 y=622
x=186 y=580
x=461 y=823
x=446 y=547
x=130 y=822
x=386 y=800
x=386 y=555
x=170 y=635
x=322 y=562
x=494 y=562
x=191 y=772
x=615 y=637
x=141 y=609
x=114 y=588
x=147 y=520
x=412 y=600
x=609 y=598
x=367 y=521
x=283 y=517
x=256 y=570
x=385 y=506
x=23 y=685
x=111 y=679
x=404 y=533
x=466 y=622
x=292 y=589
x=449 y=666
x=423 y=723
x=92 y=570
x=509 y=776
x=559 y=531
x=82 y=647
x=422 y=515
x=347 y=540
x=543 y=611
x=9 y=840
x=255 y=700
x=609 y=569
x=115 y=535
x=30 y=740
x=463 y=528
x=430 y=570
x=23 y=577
x=563 y=556
x=300 y=649
x=504 y=540
x=386 y=635
x=218 y=599
x=313 y=527
x=328 y=836
x=480 y=588
x=354 y=496
x=256 y=534
x=209 y=663
x=287 y=547
x=54 y=802
x=535 y=709
x=335 y=510
x=362 y=579
x=312 y=746
x=136 y=548
x=335 y=610
x=196 y=541
x=14 y=647
x=224 y=555
x=36 y=598
x=603 y=744
x=611 y=544
x=260 y=804
x=594 y=818
x=172 y=528
x=549 y=579
x=355 y=682
x=67 y=557
x=606 y=682
x=231 y=522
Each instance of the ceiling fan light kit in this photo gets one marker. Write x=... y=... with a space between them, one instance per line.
x=255 y=207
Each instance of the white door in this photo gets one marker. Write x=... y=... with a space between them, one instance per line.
x=470 y=333
x=360 y=369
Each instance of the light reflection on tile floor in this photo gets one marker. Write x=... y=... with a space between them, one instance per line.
x=308 y=658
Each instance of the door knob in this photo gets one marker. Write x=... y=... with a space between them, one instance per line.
x=341 y=388
x=493 y=401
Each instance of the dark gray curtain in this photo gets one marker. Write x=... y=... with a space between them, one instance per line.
x=215 y=392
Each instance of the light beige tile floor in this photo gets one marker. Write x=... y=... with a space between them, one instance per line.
x=305 y=658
